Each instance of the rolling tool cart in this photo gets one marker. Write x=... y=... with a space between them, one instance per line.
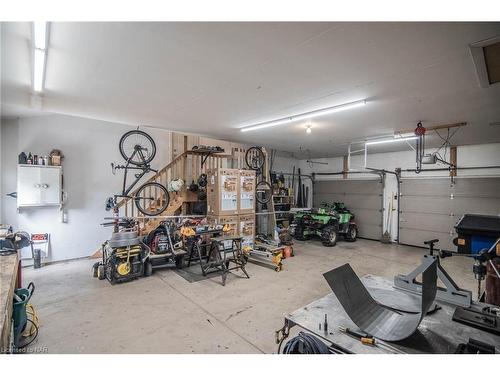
x=123 y=258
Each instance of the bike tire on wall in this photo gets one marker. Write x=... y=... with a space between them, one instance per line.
x=157 y=187
x=263 y=186
x=252 y=155
x=137 y=133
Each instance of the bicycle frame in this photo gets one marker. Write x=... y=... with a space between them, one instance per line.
x=145 y=169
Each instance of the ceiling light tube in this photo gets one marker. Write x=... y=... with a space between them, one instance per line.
x=40 y=34
x=305 y=116
x=392 y=140
x=38 y=69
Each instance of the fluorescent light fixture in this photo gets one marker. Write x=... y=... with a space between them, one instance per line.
x=392 y=140
x=40 y=34
x=39 y=54
x=38 y=70
x=305 y=116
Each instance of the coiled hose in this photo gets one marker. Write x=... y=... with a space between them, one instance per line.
x=305 y=343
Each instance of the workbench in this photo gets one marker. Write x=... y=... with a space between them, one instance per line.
x=437 y=333
x=9 y=266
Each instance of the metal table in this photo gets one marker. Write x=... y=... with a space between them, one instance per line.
x=437 y=332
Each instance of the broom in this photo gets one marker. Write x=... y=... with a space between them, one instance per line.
x=386 y=237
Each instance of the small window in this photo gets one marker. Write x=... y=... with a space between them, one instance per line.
x=492 y=61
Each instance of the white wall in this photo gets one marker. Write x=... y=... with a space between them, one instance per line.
x=467 y=156
x=89 y=146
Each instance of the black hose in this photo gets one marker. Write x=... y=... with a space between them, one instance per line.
x=306 y=343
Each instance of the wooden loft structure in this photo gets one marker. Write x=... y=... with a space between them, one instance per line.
x=187 y=165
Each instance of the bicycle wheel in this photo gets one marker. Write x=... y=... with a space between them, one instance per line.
x=255 y=158
x=263 y=192
x=137 y=147
x=152 y=199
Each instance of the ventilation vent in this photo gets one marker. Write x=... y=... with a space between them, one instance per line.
x=486 y=57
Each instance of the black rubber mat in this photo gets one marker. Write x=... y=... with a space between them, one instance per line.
x=193 y=273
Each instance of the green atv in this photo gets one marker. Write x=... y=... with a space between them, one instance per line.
x=326 y=222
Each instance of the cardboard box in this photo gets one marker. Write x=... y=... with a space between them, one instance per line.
x=246 y=202
x=55 y=160
x=247 y=230
x=222 y=192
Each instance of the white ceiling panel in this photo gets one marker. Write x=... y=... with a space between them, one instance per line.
x=212 y=78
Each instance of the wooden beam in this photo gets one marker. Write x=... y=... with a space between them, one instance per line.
x=435 y=127
x=345 y=168
x=453 y=160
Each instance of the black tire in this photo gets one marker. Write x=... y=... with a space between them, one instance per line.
x=352 y=233
x=148 y=268
x=299 y=233
x=101 y=274
x=137 y=140
x=329 y=236
x=143 y=196
x=94 y=269
x=263 y=192
x=255 y=158
x=179 y=262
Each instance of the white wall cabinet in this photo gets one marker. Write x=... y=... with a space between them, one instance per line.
x=39 y=185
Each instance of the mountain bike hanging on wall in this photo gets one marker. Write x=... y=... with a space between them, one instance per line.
x=255 y=160
x=139 y=149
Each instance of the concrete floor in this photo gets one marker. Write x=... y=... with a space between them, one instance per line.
x=166 y=314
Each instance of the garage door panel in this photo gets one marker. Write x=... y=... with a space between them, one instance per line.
x=431 y=207
x=353 y=203
x=362 y=197
x=478 y=205
x=426 y=187
x=364 y=187
x=417 y=204
x=417 y=237
x=485 y=187
x=424 y=221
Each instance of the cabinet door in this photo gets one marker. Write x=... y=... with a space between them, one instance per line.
x=38 y=186
x=28 y=190
x=50 y=186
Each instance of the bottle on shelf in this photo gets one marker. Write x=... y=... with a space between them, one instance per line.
x=30 y=159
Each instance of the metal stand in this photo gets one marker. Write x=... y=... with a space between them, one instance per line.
x=217 y=260
x=452 y=293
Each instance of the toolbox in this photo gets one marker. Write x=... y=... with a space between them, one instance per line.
x=476 y=232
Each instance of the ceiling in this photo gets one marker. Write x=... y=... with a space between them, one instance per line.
x=212 y=78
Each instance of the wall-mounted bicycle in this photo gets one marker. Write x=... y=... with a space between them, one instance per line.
x=139 y=149
x=255 y=159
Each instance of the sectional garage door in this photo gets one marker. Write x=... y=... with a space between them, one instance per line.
x=430 y=207
x=362 y=197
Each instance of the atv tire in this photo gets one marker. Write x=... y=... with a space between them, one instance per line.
x=352 y=233
x=329 y=236
x=298 y=233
